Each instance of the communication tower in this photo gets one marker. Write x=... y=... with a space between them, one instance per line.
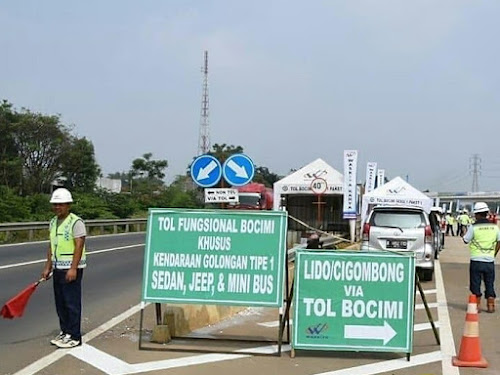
x=475 y=166
x=204 y=136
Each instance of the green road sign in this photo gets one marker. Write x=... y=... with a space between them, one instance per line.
x=360 y=301
x=215 y=257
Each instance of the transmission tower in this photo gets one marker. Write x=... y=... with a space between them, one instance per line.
x=475 y=170
x=204 y=137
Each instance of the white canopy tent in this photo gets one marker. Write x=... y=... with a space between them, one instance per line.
x=300 y=181
x=395 y=192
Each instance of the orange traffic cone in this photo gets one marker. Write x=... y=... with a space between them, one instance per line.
x=470 y=348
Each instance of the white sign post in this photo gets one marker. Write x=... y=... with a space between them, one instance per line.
x=218 y=195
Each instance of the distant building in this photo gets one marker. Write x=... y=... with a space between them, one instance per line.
x=110 y=184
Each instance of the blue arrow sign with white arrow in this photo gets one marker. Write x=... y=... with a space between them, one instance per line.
x=238 y=170
x=206 y=171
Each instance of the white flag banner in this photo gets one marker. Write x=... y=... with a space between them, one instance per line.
x=371 y=175
x=350 y=167
x=380 y=177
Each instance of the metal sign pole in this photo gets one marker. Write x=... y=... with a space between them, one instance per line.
x=427 y=310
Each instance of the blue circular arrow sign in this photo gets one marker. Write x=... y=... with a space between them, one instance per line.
x=238 y=170
x=206 y=171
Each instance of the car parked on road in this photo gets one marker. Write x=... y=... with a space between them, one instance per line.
x=436 y=219
x=402 y=228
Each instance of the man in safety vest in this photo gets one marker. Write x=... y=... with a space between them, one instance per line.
x=66 y=260
x=463 y=222
x=450 y=220
x=483 y=238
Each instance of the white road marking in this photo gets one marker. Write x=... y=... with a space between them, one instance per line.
x=387 y=366
x=205 y=358
x=424 y=326
x=42 y=363
x=58 y=354
x=421 y=306
x=429 y=291
x=88 y=253
x=186 y=361
x=114 y=366
x=101 y=360
x=445 y=333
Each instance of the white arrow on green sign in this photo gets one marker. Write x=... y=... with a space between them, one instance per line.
x=384 y=332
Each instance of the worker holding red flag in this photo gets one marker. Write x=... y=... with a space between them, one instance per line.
x=66 y=259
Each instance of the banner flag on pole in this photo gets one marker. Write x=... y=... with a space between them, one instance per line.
x=380 y=177
x=350 y=167
x=371 y=175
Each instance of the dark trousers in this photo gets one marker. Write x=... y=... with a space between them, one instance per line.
x=449 y=228
x=68 y=297
x=482 y=271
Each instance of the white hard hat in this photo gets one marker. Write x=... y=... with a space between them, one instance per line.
x=61 y=195
x=481 y=207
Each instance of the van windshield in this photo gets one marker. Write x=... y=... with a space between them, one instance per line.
x=249 y=199
x=398 y=219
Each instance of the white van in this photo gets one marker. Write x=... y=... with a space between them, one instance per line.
x=402 y=228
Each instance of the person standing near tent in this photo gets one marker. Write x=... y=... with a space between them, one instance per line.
x=483 y=238
x=66 y=259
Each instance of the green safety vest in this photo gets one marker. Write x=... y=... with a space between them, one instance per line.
x=485 y=239
x=62 y=243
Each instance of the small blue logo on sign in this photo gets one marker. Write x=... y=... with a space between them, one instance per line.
x=317 y=331
x=238 y=170
x=206 y=171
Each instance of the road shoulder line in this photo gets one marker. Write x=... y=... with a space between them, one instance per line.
x=446 y=334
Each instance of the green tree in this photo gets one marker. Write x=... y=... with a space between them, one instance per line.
x=39 y=141
x=91 y=206
x=78 y=165
x=224 y=151
x=10 y=162
x=12 y=206
x=149 y=173
x=120 y=205
x=265 y=176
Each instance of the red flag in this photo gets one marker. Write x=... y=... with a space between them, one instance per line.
x=14 y=308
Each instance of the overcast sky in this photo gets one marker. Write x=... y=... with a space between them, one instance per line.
x=414 y=86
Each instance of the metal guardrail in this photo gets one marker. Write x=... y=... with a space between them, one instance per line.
x=31 y=227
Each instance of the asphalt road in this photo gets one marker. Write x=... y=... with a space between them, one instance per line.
x=112 y=284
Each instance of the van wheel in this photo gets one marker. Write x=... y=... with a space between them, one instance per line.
x=426 y=275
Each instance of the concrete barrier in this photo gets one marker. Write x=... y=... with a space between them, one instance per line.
x=182 y=319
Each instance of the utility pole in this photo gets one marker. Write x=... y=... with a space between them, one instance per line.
x=204 y=136
x=475 y=170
